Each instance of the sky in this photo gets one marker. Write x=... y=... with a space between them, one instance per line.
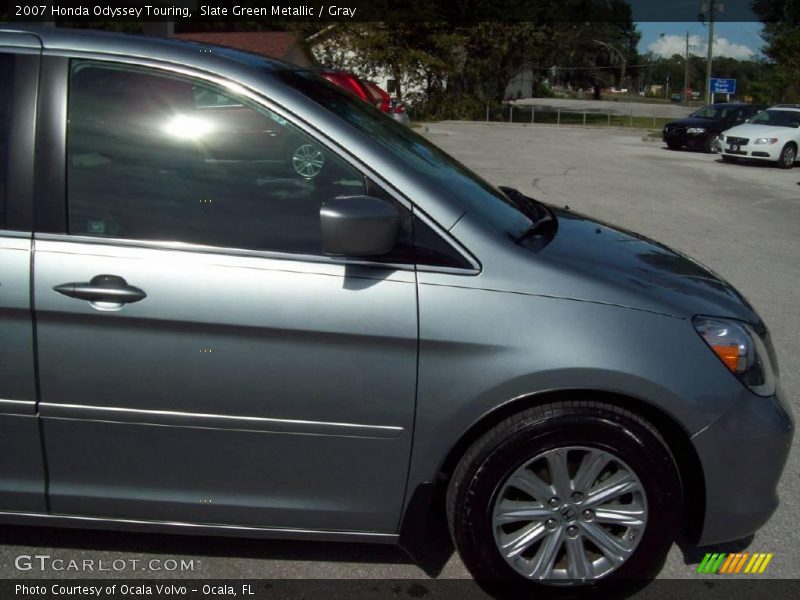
x=732 y=39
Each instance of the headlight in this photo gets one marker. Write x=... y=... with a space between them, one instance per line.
x=741 y=350
x=760 y=141
x=696 y=130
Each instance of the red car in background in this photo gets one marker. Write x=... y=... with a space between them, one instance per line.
x=386 y=103
x=369 y=92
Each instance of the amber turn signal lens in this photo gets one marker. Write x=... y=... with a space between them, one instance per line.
x=741 y=350
x=730 y=355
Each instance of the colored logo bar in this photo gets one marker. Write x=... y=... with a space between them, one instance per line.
x=734 y=564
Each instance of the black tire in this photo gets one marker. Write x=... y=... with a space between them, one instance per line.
x=478 y=479
x=729 y=159
x=673 y=146
x=788 y=156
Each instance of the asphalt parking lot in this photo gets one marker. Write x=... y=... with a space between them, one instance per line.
x=743 y=221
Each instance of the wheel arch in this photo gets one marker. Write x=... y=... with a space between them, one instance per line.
x=677 y=438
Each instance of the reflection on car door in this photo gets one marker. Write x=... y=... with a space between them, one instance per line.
x=216 y=384
x=22 y=481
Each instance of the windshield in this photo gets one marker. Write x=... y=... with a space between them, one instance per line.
x=451 y=177
x=778 y=118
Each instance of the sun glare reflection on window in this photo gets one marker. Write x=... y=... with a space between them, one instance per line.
x=188 y=127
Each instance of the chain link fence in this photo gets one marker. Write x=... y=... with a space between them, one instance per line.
x=510 y=113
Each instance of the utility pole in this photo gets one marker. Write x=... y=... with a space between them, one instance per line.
x=686 y=72
x=708 y=8
x=710 y=57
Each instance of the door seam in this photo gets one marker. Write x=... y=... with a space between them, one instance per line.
x=36 y=382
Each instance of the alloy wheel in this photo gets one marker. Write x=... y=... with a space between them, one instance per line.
x=789 y=156
x=713 y=144
x=572 y=514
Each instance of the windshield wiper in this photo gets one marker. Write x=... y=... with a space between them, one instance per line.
x=544 y=225
x=522 y=203
x=542 y=220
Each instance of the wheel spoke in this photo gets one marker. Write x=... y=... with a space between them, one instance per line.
x=514 y=544
x=578 y=565
x=546 y=555
x=530 y=483
x=591 y=466
x=617 y=485
x=559 y=473
x=512 y=511
x=608 y=544
x=619 y=516
x=563 y=521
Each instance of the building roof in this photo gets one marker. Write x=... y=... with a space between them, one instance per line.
x=274 y=44
x=143 y=46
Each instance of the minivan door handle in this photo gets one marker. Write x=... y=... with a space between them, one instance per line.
x=103 y=288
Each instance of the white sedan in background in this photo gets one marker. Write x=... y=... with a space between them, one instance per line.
x=772 y=135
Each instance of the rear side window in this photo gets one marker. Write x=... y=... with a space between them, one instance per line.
x=152 y=156
x=747 y=112
x=778 y=118
x=6 y=79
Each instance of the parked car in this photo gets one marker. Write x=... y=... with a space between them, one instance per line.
x=240 y=352
x=701 y=129
x=773 y=135
x=676 y=98
x=389 y=105
x=349 y=82
x=368 y=92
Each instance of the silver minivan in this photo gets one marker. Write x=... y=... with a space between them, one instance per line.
x=236 y=301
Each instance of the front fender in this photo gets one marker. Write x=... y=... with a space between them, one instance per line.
x=481 y=349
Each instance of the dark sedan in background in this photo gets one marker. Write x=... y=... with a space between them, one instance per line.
x=701 y=129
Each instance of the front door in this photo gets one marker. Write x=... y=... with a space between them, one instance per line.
x=200 y=360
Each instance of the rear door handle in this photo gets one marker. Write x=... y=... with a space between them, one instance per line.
x=103 y=288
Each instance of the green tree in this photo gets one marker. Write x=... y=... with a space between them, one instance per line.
x=493 y=53
x=421 y=56
x=458 y=68
x=780 y=79
x=599 y=54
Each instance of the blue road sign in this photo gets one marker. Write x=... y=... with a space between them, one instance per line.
x=723 y=86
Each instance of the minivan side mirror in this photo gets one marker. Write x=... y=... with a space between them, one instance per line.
x=358 y=226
